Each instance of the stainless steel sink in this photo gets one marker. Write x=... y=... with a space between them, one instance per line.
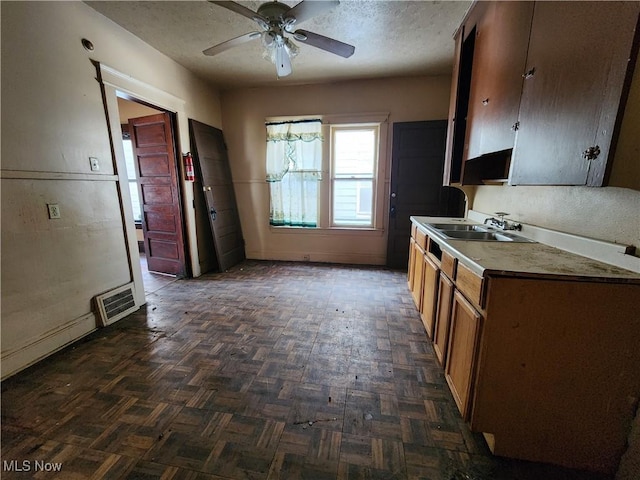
x=458 y=227
x=487 y=236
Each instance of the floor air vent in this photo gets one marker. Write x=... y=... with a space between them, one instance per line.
x=115 y=304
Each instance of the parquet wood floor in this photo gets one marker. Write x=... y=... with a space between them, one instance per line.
x=269 y=371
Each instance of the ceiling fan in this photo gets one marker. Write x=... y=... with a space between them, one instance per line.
x=276 y=20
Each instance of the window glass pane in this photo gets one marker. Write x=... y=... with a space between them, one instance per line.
x=294 y=168
x=131 y=175
x=352 y=202
x=353 y=170
x=135 y=201
x=354 y=153
x=128 y=158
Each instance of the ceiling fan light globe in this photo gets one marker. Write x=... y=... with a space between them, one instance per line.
x=268 y=39
x=288 y=23
x=299 y=36
x=264 y=25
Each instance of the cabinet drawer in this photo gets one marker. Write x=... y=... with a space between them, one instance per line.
x=448 y=265
x=469 y=284
x=421 y=239
x=414 y=229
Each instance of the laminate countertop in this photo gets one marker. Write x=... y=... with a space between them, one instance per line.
x=533 y=259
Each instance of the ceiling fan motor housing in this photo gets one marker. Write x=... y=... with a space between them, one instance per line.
x=274 y=11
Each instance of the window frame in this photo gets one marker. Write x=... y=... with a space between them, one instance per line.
x=373 y=178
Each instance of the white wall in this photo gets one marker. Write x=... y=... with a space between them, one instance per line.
x=53 y=120
x=244 y=113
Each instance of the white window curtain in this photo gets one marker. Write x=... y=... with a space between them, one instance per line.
x=294 y=167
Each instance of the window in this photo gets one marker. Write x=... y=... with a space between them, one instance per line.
x=346 y=150
x=131 y=175
x=354 y=155
x=294 y=167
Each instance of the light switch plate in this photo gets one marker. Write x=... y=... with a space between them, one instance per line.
x=95 y=164
x=54 y=210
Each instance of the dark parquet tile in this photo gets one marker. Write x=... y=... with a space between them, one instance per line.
x=272 y=370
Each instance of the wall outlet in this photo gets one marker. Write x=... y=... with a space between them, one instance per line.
x=306 y=258
x=95 y=164
x=54 y=210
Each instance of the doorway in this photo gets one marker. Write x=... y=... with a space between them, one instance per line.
x=153 y=177
x=417 y=165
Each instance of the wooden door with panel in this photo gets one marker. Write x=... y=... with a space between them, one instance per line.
x=212 y=168
x=160 y=200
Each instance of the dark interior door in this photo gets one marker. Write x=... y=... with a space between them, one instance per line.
x=212 y=167
x=154 y=151
x=417 y=166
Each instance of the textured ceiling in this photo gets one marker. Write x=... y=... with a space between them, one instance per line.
x=392 y=38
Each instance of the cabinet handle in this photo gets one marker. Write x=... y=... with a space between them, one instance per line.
x=529 y=73
x=591 y=153
x=485 y=102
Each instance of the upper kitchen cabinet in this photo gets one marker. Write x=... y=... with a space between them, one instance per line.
x=496 y=82
x=459 y=101
x=538 y=91
x=573 y=92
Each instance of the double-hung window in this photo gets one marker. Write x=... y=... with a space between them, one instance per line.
x=354 y=163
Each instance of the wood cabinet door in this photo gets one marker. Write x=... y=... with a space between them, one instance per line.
x=411 y=266
x=443 y=319
x=429 y=295
x=463 y=340
x=418 y=275
x=574 y=79
x=452 y=161
x=500 y=52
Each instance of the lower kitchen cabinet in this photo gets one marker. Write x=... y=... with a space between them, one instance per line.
x=443 y=318
x=463 y=341
x=429 y=295
x=556 y=376
x=544 y=365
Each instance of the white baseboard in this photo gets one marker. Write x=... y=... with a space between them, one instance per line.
x=36 y=348
x=321 y=257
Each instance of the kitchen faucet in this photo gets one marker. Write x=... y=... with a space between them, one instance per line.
x=502 y=223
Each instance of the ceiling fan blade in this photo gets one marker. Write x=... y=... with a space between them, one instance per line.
x=282 y=61
x=325 y=43
x=310 y=8
x=244 y=11
x=234 y=42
